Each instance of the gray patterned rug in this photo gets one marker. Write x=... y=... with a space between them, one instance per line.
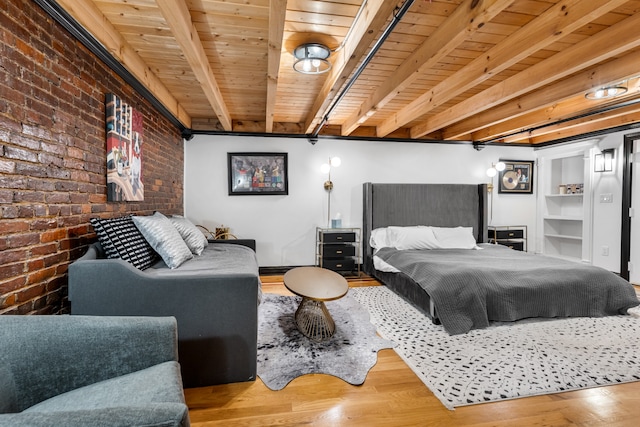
x=284 y=353
x=508 y=360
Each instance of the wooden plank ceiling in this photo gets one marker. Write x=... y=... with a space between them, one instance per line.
x=487 y=71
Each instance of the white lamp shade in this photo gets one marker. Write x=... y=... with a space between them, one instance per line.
x=500 y=166
x=325 y=168
x=335 y=162
x=491 y=172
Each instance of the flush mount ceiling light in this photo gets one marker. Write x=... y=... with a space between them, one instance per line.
x=606 y=92
x=311 y=58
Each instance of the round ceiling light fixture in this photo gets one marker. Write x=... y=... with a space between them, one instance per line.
x=311 y=58
x=606 y=92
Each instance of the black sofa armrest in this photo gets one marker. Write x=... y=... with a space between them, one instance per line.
x=250 y=243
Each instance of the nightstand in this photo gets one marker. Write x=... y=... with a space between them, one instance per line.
x=513 y=236
x=338 y=249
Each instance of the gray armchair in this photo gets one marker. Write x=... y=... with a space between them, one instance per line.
x=82 y=370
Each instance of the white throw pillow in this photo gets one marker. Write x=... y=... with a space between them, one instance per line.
x=378 y=238
x=195 y=240
x=418 y=237
x=164 y=238
x=455 y=237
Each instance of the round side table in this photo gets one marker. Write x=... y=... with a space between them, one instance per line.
x=315 y=285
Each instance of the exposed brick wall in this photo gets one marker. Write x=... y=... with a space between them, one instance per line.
x=52 y=157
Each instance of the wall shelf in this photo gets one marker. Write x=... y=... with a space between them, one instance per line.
x=563 y=236
x=563 y=218
x=563 y=195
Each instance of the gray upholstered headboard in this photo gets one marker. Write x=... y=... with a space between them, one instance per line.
x=442 y=205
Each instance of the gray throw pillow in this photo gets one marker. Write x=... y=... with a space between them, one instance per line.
x=164 y=238
x=195 y=240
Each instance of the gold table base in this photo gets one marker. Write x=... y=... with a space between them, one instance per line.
x=314 y=321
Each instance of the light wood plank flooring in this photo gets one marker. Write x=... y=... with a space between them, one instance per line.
x=392 y=395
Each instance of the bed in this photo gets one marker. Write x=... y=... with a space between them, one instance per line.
x=465 y=289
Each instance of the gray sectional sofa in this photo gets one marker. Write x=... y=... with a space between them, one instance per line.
x=214 y=297
x=90 y=371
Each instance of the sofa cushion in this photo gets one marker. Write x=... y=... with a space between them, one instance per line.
x=161 y=383
x=164 y=238
x=120 y=238
x=193 y=237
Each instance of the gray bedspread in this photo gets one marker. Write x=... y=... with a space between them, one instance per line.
x=472 y=287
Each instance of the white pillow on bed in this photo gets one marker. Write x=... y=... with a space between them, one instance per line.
x=418 y=237
x=378 y=238
x=455 y=237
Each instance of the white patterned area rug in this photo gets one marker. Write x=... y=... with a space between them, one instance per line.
x=284 y=353
x=507 y=360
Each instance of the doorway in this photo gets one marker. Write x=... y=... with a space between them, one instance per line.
x=630 y=242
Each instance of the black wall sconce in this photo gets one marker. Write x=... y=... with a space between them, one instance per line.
x=604 y=161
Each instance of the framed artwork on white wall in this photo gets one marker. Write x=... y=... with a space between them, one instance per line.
x=517 y=177
x=258 y=174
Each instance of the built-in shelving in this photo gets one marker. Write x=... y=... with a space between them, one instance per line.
x=564 y=222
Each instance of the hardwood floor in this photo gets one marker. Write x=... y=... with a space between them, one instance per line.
x=393 y=395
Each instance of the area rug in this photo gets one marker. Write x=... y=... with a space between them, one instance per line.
x=285 y=354
x=508 y=360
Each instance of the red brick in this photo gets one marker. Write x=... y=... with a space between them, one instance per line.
x=7 y=166
x=11 y=270
x=56 y=258
x=44 y=224
x=22 y=240
x=52 y=236
x=11 y=285
x=7 y=301
x=7 y=257
x=41 y=250
x=41 y=275
x=6 y=196
x=35 y=264
x=7 y=227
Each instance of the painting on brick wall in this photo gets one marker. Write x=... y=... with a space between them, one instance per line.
x=124 y=151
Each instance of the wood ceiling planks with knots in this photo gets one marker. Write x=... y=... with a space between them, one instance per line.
x=479 y=70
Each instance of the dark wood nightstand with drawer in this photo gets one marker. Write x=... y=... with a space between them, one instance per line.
x=513 y=236
x=338 y=249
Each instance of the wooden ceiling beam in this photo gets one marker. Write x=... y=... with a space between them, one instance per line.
x=277 y=14
x=559 y=100
x=594 y=124
x=178 y=17
x=93 y=20
x=458 y=27
x=617 y=117
x=559 y=20
x=485 y=109
x=364 y=31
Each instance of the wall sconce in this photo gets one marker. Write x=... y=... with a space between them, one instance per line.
x=334 y=162
x=604 y=161
x=493 y=171
x=311 y=58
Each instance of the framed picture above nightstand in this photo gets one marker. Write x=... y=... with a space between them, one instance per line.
x=512 y=236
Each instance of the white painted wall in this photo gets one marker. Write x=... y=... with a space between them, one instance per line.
x=284 y=226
